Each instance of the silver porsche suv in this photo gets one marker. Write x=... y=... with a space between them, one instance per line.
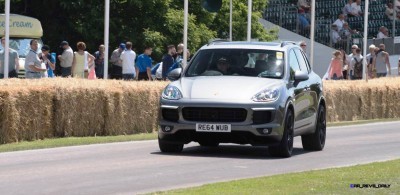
x=258 y=93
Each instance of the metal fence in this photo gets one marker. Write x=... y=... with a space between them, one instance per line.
x=285 y=14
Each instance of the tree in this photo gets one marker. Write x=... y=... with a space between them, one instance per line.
x=157 y=23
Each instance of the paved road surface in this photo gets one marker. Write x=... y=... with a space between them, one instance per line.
x=138 y=167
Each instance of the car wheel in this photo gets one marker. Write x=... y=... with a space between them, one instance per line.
x=316 y=141
x=208 y=144
x=285 y=147
x=169 y=147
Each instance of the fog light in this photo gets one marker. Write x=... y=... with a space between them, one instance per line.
x=266 y=131
x=167 y=128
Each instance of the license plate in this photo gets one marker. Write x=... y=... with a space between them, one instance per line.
x=226 y=128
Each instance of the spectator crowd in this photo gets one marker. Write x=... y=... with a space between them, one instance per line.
x=343 y=66
x=350 y=67
x=341 y=32
x=125 y=63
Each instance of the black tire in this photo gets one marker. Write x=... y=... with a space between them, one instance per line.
x=316 y=141
x=208 y=144
x=285 y=147
x=169 y=147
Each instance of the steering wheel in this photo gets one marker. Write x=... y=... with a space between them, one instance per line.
x=212 y=73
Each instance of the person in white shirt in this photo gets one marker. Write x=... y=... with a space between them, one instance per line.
x=347 y=9
x=335 y=37
x=350 y=57
x=383 y=33
x=356 y=8
x=390 y=11
x=128 y=58
x=370 y=57
x=339 y=22
x=66 y=59
x=397 y=6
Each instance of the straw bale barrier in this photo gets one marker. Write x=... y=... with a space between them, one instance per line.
x=360 y=100
x=38 y=109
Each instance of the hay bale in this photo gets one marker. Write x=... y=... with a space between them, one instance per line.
x=26 y=114
x=34 y=113
x=38 y=109
x=8 y=132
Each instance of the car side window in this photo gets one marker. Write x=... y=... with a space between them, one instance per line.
x=302 y=61
x=307 y=61
x=294 y=64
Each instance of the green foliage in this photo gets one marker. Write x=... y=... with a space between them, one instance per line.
x=239 y=18
x=198 y=34
x=156 y=40
x=156 y=22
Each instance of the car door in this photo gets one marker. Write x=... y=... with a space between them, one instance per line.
x=312 y=102
x=315 y=84
x=301 y=102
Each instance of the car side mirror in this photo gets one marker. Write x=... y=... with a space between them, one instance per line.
x=300 y=76
x=175 y=74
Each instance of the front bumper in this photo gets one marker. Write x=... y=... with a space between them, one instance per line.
x=245 y=132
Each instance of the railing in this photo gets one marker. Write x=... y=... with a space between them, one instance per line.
x=285 y=14
x=287 y=17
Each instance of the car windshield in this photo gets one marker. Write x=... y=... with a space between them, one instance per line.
x=22 y=46
x=237 y=62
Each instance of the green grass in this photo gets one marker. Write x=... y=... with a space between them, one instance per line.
x=73 y=141
x=328 y=181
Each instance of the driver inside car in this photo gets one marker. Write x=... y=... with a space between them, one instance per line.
x=223 y=66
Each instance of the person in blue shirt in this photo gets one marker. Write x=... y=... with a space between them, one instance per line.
x=49 y=60
x=143 y=65
x=304 y=22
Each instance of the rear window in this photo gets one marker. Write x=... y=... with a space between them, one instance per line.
x=237 y=62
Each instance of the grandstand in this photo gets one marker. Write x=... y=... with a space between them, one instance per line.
x=284 y=13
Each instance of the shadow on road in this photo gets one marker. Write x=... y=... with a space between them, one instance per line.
x=230 y=151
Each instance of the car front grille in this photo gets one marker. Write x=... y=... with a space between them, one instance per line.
x=214 y=114
x=170 y=114
x=262 y=117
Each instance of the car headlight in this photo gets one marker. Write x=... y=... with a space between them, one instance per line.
x=171 y=93
x=267 y=95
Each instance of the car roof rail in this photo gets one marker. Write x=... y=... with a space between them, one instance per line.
x=284 y=43
x=217 y=41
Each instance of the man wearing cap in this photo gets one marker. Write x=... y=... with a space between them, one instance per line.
x=13 y=62
x=116 y=62
x=66 y=59
x=223 y=66
x=33 y=63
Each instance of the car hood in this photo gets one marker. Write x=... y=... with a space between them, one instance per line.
x=224 y=87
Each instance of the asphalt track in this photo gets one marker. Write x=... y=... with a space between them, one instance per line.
x=139 y=167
